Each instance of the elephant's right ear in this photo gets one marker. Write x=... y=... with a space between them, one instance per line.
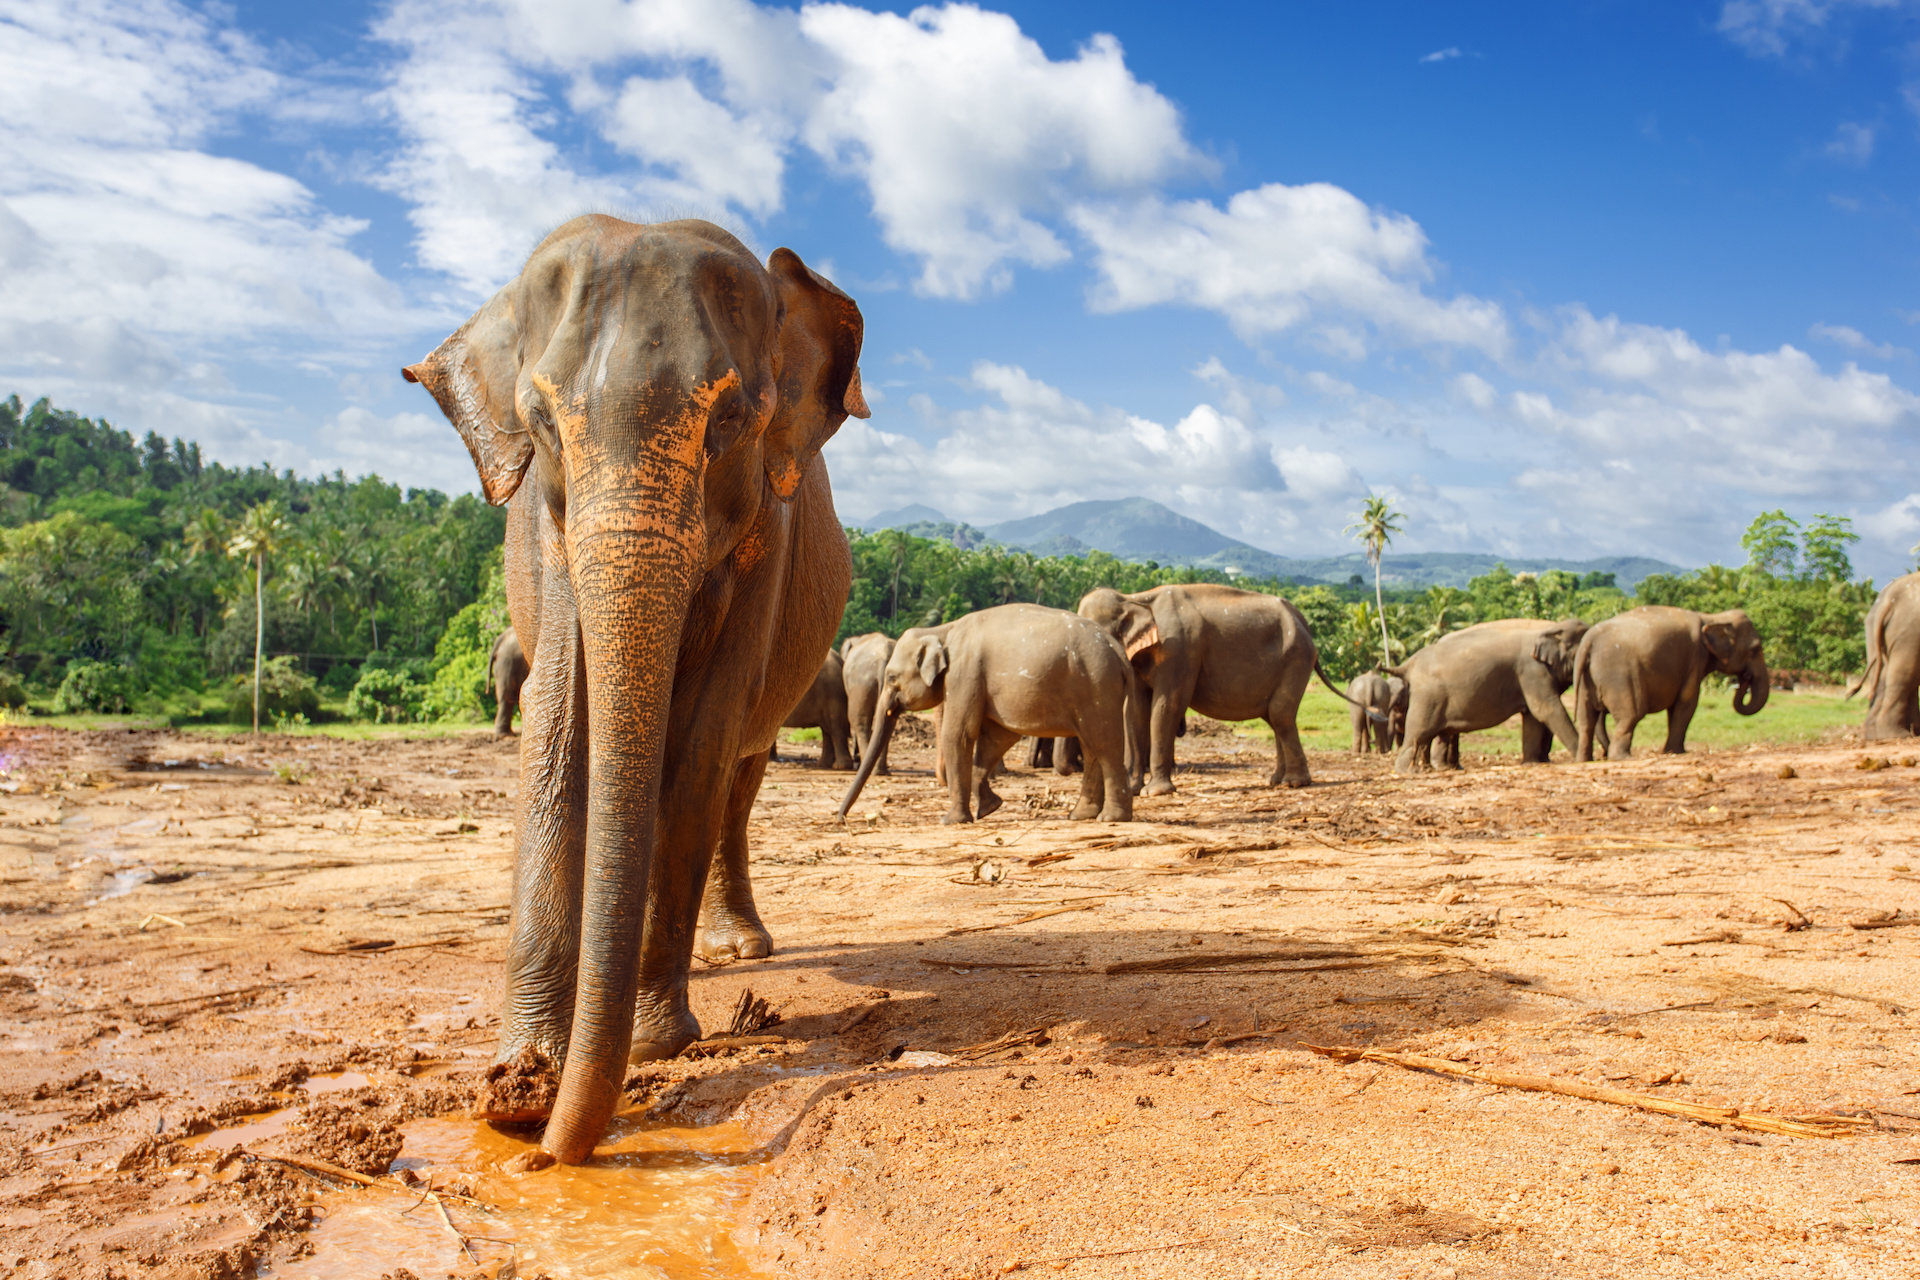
x=1719 y=639
x=933 y=661
x=1138 y=632
x=471 y=375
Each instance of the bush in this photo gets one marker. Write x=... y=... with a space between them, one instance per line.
x=13 y=690
x=461 y=665
x=285 y=691
x=386 y=694
x=92 y=686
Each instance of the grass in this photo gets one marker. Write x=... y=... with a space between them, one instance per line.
x=1802 y=715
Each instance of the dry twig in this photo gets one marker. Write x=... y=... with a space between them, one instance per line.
x=1726 y=1117
x=1026 y=919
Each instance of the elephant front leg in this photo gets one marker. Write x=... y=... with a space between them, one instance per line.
x=1168 y=711
x=1536 y=740
x=730 y=926
x=956 y=761
x=1679 y=717
x=544 y=955
x=995 y=741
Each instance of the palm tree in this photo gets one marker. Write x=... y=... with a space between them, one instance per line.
x=897 y=547
x=262 y=532
x=1374 y=527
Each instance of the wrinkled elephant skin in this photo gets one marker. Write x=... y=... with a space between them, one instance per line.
x=1654 y=658
x=863 y=670
x=1892 y=679
x=650 y=402
x=1482 y=676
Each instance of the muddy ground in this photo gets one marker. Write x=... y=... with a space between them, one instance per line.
x=226 y=966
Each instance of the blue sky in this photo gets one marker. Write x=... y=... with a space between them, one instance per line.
x=1570 y=279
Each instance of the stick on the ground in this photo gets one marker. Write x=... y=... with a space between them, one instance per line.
x=1026 y=919
x=1726 y=1117
x=1220 y=960
x=321 y=1166
x=447 y=1218
x=1117 y=1253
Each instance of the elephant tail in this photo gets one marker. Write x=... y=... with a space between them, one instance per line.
x=1869 y=681
x=1375 y=716
x=1584 y=694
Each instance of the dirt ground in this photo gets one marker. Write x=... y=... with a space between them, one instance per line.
x=1029 y=1044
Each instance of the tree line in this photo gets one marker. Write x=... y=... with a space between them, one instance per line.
x=138 y=576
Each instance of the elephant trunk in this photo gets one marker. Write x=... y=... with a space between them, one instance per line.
x=634 y=567
x=886 y=714
x=1750 y=695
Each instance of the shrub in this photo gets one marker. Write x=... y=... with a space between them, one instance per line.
x=461 y=668
x=92 y=686
x=386 y=694
x=285 y=691
x=13 y=690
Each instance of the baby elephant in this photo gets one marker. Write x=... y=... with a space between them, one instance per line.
x=1004 y=673
x=1483 y=675
x=506 y=672
x=824 y=707
x=1371 y=691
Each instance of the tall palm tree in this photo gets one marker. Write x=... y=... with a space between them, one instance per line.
x=897 y=546
x=1374 y=527
x=262 y=532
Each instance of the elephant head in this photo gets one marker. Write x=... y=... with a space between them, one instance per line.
x=1733 y=647
x=915 y=681
x=1555 y=649
x=657 y=388
x=1127 y=620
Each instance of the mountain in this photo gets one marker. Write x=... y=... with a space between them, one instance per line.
x=1142 y=529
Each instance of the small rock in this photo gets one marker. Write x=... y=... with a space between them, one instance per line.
x=529 y=1161
x=1787 y=771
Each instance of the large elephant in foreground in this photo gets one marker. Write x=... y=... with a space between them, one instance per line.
x=1892 y=679
x=1226 y=653
x=506 y=673
x=823 y=707
x=650 y=402
x=1386 y=696
x=1482 y=676
x=863 y=670
x=1654 y=658
x=1003 y=673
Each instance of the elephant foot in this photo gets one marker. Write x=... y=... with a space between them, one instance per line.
x=1293 y=781
x=732 y=935
x=883 y=771
x=1158 y=787
x=988 y=803
x=1084 y=810
x=1119 y=813
x=519 y=1089
x=951 y=819
x=657 y=1039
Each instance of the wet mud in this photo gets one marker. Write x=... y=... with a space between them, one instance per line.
x=249 y=996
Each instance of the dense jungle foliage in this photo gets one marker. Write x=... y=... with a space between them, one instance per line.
x=127 y=583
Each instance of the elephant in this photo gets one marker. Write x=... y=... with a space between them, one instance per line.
x=649 y=402
x=1653 y=659
x=998 y=675
x=506 y=673
x=1226 y=653
x=824 y=708
x=1482 y=676
x=1062 y=755
x=864 y=659
x=1892 y=678
x=1372 y=691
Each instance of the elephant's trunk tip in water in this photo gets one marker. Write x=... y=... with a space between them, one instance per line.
x=884 y=720
x=1750 y=695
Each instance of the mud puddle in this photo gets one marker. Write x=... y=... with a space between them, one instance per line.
x=656 y=1201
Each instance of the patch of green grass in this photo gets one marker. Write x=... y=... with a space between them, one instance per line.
x=1801 y=715
x=799 y=735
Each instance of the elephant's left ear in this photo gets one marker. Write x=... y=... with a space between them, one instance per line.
x=471 y=375
x=819 y=369
x=1138 y=632
x=1719 y=639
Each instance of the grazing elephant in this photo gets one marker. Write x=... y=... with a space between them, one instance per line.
x=824 y=708
x=506 y=673
x=1385 y=695
x=1226 y=653
x=650 y=402
x=998 y=675
x=1482 y=676
x=1892 y=679
x=1653 y=659
x=865 y=668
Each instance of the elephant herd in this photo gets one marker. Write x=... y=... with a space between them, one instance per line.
x=649 y=402
x=1652 y=659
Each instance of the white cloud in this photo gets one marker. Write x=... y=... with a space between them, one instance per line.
x=1442 y=55
x=409 y=449
x=1767 y=28
x=1282 y=257
x=1851 y=338
x=1475 y=390
x=1852 y=144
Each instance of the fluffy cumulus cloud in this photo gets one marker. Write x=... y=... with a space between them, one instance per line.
x=1284 y=257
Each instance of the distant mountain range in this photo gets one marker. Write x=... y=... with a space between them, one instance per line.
x=1142 y=529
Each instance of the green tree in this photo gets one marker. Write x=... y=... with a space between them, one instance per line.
x=261 y=532
x=1373 y=527
x=1770 y=544
x=1823 y=548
